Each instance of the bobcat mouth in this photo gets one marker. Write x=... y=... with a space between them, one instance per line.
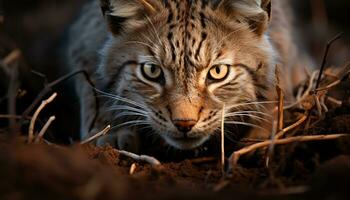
x=185 y=143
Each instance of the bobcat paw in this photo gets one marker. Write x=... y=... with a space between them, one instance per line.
x=123 y=139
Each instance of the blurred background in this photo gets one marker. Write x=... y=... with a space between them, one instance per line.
x=35 y=27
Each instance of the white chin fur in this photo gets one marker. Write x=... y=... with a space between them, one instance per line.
x=185 y=144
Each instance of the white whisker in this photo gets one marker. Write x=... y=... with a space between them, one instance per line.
x=154 y=30
x=132 y=123
x=116 y=97
x=249 y=115
x=245 y=124
x=252 y=103
x=252 y=111
x=123 y=114
x=139 y=42
x=127 y=108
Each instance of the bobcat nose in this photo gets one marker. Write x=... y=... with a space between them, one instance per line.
x=184 y=126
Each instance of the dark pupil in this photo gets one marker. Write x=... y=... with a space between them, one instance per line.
x=217 y=69
x=153 y=69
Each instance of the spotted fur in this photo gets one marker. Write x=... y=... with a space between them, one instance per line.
x=185 y=38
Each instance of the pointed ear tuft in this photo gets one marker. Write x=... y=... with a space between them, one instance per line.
x=255 y=13
x=125 y=15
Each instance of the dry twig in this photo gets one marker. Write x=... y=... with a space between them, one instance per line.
x=49 y=87
x=44 y=129
x=236 y=155
x=306 y=93
x=132 y=169
x=281 y=133
x=143 y=158
x=223 y=140
x=97 y=135
x=324 y=61
x=11 y=57
x=12 y=117
x=36 y=114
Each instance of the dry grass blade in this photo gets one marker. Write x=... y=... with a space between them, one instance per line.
x=237 y=154
x=44 y=129
x=144 y=158
x=97 y=135
x=36 y=114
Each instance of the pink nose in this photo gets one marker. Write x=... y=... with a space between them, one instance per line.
x=184 y=126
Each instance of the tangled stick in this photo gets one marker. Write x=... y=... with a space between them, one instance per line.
x=236 y=155
x=36 y=114
x=49 y=87
x=12 y=117
x=44 y=129
x=144 y=158
x=11 y=57
x=223 y=140
x=151 y=160
x=281 y=133
x=97 y=135
x=341 y=76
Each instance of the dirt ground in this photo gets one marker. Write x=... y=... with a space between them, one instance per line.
x=64 y=169
x=313 y=170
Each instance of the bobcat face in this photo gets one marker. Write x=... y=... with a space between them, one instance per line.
x=174 y=64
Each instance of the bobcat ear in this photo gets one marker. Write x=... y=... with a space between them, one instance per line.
x=256 y=13
x=125 y=15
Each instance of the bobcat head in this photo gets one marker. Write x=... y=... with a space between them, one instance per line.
x=171 y=65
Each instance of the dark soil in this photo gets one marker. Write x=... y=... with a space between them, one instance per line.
x=41 y=171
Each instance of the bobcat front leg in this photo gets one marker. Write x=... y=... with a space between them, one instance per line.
x=124 y=139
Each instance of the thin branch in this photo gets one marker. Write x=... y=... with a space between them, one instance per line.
x=335 y=83
x=324 y=61
x=223 y=140
x=44 y=129
x=280 y=119
x=97 y=135
x=334 y=101
x=144 y=158
x=49 y=87
x=306 y=92
x=132 y=169
x=236 y=155
x=11 y=57
x=281 y=133
x=36 y=114
x=12 y=117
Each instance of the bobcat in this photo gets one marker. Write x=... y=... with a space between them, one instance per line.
x=171 y=66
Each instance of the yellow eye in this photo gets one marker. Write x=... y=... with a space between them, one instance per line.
x=151 y=71
x=218 y=72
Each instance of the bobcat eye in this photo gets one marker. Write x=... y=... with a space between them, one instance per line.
x=218 y=72
x=151 y=71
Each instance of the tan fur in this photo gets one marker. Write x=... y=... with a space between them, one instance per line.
x=185 y=39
